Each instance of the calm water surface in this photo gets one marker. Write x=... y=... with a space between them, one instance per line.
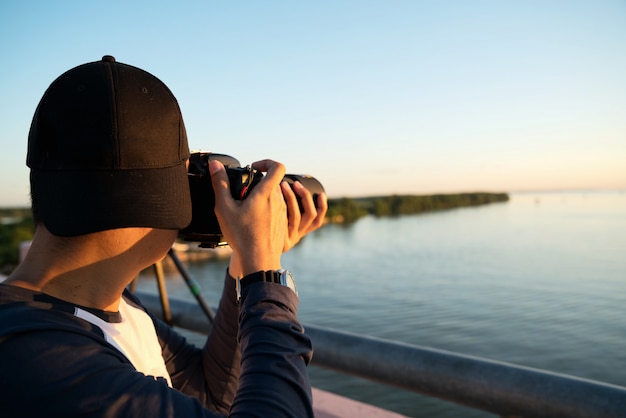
x=537 y=281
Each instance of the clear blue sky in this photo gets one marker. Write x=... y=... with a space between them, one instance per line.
x=371 y=97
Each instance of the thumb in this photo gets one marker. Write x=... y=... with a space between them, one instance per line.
x=219 y=179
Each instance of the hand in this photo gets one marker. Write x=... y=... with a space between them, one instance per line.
x=256 y=228
x=309 y=220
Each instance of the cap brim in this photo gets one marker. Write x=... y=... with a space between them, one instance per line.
x=74 y=203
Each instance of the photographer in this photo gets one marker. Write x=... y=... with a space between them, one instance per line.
x=108 y=151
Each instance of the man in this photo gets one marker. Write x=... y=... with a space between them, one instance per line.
x=108 y=152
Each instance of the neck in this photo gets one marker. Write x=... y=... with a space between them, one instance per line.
x=90 y=270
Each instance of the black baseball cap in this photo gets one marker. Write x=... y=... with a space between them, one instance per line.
x=107 y=149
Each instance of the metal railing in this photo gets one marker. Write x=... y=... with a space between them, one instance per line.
x=500 y=388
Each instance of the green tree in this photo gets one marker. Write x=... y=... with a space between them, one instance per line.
x=11 y=236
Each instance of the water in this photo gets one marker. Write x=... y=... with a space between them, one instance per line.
x=538 y=281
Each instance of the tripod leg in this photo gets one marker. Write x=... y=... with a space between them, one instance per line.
x=193 y=286
x=165 y=303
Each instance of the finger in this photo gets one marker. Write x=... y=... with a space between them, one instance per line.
x=274 y=170
x=265 y=165
x=322 y=208
x=308 y=207
x=293 y=211
x=219 y=179
x=220 y=182
x=292 y=217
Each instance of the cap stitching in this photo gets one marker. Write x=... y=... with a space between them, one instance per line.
x=112 y=76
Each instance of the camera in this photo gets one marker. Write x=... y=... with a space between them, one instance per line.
x=204 y=227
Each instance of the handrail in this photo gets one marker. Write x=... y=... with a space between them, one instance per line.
x=493 y=386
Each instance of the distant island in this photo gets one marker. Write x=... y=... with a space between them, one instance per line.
x=16 y=224
x=346 y=210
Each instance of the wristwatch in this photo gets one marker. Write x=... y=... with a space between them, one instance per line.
x=281 y=277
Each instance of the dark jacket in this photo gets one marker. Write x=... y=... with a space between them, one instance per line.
x=54 y=364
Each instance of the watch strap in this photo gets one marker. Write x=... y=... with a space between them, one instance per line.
x=268 y=276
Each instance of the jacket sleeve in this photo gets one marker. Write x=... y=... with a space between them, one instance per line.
x=274 y=381
x=209 y=374
x=269 y=379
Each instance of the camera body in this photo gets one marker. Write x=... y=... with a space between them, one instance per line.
x=204 y=227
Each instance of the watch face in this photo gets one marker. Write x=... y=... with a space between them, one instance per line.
x=289 y=281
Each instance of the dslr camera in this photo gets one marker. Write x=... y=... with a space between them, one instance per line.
x=204 y=227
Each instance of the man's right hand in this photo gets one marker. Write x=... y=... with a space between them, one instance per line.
x=256 y=228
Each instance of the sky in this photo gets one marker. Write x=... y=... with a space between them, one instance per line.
x=370 y=97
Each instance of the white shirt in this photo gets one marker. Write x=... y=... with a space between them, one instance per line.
x=135 y=337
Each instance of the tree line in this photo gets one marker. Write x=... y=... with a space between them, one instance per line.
x=346 y=210
x=16 y=224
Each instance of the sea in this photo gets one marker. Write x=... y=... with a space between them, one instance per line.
x=537 y=281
